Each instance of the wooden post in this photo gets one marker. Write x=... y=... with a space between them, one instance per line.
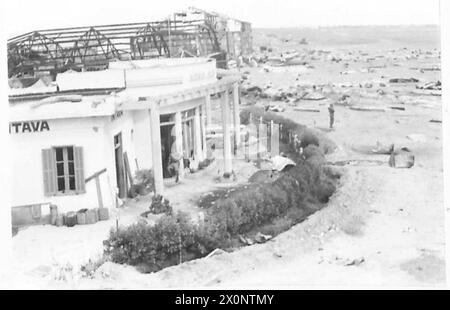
x=96 y=177
x=127 y=167
x=258 y=149
x=281 y=132
x=179 y=140
x=236 y=118
x=227 y=156
x=247 y=146
x=156 y=149
x=198 y=137
x=274 y=139
x=269 y=145
x=99 y=192
x=203 y=128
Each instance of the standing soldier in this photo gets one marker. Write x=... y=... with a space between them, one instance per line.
x=174 y=161
x=331 y=113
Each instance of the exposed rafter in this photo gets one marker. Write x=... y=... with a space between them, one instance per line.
x=53 y=51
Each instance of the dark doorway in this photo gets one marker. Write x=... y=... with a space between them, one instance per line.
x=166 y=144
x=120 y=170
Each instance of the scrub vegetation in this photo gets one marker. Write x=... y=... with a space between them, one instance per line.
x=269 y=207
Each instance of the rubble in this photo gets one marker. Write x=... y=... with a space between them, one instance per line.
x=401 y=159
x=280 y=162
x=313 y=96
x=383 y=149
x=245 y=240
x=215 y=253
x=404 y=80
x=261 y=238
x=275 y=108
x=367 y=109
x=431 y=86
x=306 y=110
x=354 y=262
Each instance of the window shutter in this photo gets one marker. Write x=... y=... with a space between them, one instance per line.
x=49 y=172
x=79 y=170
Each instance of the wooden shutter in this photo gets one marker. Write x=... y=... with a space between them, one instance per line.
x=49 y=172
x=79 y=170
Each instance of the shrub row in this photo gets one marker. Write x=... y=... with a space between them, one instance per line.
x=174 y=238
x=246 y=209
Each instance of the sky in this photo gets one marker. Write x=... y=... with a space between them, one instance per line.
x=20 y=16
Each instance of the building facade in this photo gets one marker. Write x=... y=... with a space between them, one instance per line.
x=81 y=145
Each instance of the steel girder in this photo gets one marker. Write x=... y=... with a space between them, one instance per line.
x=91 y=48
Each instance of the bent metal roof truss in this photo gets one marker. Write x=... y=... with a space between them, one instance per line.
x=91 y=48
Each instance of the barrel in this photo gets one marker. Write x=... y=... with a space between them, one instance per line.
x=81 y=218
x=59 y=220
x=53 y=214
x=96 y=214
x=71 y=219
x=91 y=216
x=103 y=214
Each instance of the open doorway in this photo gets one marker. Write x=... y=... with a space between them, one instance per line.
x=166 y=144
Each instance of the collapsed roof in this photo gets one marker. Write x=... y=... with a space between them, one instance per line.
x=92 y=48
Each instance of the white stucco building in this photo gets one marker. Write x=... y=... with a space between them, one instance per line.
x=76 y=144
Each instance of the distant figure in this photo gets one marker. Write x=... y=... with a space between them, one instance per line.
x=174 y=161
x=297 y=145
x=240 y=61
x=331 y=113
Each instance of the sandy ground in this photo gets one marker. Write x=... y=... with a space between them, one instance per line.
x=383 y=226
x=50 y=256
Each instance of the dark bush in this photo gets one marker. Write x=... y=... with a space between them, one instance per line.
x=168 y=242
x=311 y=151
x=174 y=238
x=160 y=205
x=259 y=203
x=134 y=190
x=308 y=138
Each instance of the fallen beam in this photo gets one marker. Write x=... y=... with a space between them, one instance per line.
x=368 y=109
x=306 y=110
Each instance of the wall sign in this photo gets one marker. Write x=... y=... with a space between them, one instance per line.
x=30 y=126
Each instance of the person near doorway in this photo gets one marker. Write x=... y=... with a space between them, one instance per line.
x=331 y=113
x=174 y=161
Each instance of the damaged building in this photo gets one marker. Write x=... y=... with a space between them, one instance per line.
x=80 y=140
x=189 y=33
